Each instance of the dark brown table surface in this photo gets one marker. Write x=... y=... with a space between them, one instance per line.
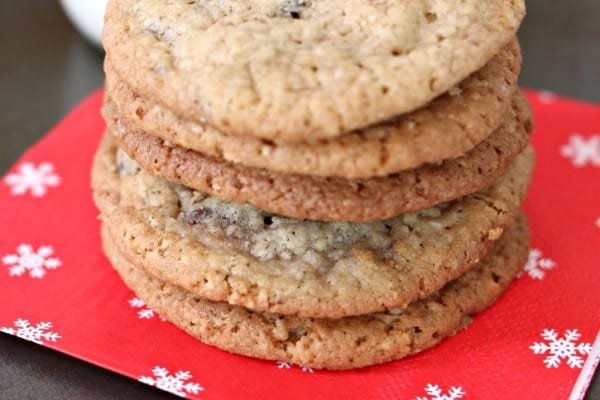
x=45 y=68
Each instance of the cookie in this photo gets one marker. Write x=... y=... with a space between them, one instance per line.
x=446 y=128
x=302 y=70
x=344 y=343
x=244 y=256
x=332 y=199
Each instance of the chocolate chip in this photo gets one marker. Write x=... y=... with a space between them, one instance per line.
x=292 y=8
x=120 y=168
x=198 y=215
x=126 y=166
x=445 y=205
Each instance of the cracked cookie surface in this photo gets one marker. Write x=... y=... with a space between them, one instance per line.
x=299 y=71
x=344 y=343
x=357 y=269
x=332 y=199
x=445 y=128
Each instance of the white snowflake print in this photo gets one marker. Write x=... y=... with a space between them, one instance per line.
x=283 y=365
x=30 y=178
x=546 y=97
x=561 y=348
x=288 y=365
x=537 y=265
x=143 y=312
x=28 y=260
x=582 y=151
x=436 y=393
x=35 y=334
x=175 y=384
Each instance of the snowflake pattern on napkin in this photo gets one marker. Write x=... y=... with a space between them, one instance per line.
x=434 y=392
x=35 y=262
x=582 y=151
x=537 y=266
x=173 y=383
x=562 y=348
x=37 y=333
x=33 y=179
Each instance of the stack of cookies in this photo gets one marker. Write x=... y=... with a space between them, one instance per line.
x=334 y=184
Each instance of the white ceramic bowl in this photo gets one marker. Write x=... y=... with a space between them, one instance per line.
x=87 y=16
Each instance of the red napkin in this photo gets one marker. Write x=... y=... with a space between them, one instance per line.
x=540 y=341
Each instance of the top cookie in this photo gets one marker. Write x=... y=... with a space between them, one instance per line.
x=299 y=70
